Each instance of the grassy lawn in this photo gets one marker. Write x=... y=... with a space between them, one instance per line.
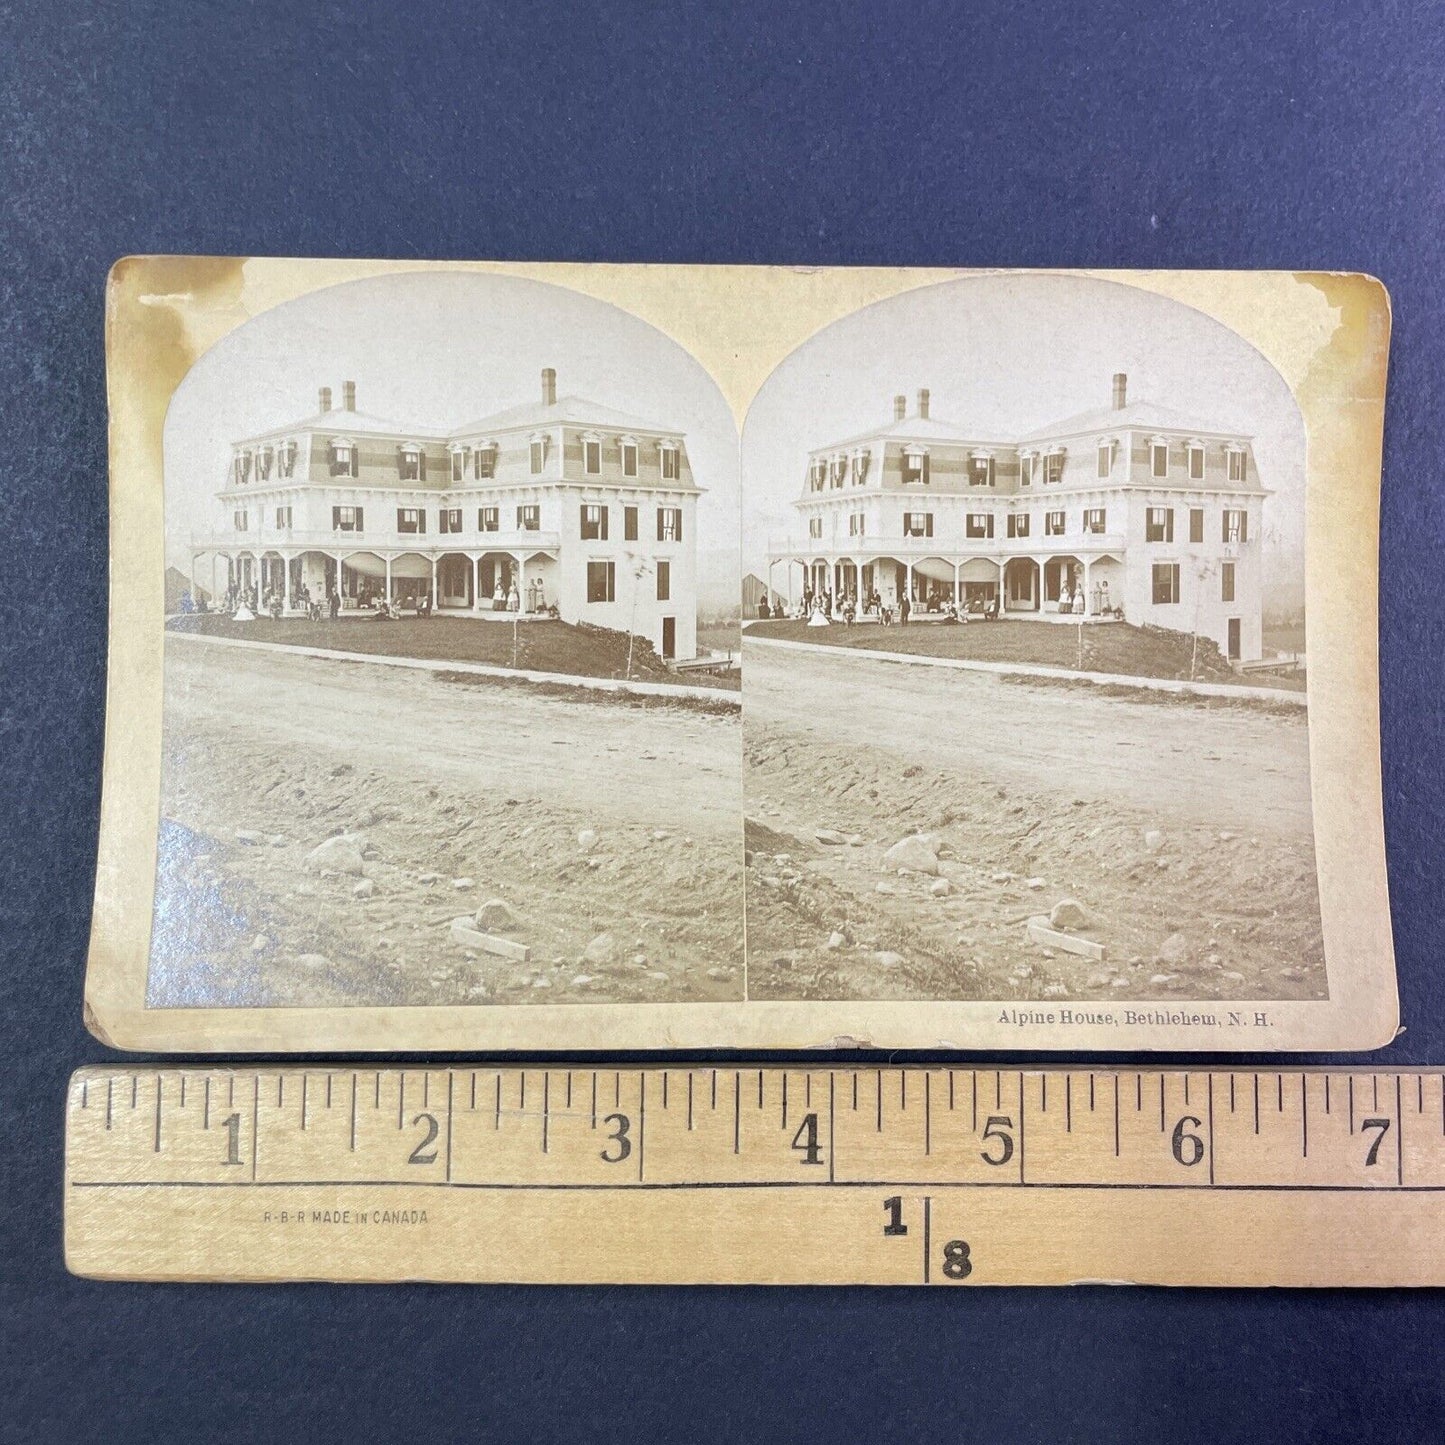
x=540 y=646
x=1107 y=647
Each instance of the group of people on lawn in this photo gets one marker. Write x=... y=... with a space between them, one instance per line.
x=819 y=607
x=273 y=602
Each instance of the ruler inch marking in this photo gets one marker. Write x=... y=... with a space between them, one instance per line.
x=156 y=1148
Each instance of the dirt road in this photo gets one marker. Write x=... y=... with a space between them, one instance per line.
x=1181 y=832
x=610 y=830
x=1228 y=768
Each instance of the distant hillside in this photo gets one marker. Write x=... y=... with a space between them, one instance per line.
x=178 y=583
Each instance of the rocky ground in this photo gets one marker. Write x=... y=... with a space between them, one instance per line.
x=298 y=869
x=901 y=841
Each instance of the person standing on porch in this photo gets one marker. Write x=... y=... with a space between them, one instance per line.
x=1066 y=599
x=904 y=608
x=499 y=597
x=333 y=604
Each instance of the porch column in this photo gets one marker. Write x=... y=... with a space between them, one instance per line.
x=433 y=584
x=339 y=594
x=387 y=560
x=196 y=577
x=476 y=584
x=957 y=584
x=1088 y=596
x=908 y=583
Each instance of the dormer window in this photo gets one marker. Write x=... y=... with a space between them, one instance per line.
x=816 y=469
x=1106 y=458
x=592 y=455
x=837 y=466
x=1159 y=457
x=344 y=462
x=980 y=469
x=860 y=467
x=1026 y=468
x=1195 y=451
x=915 y=466
x=538 y=453
x=459 y=464
x=671 y=461
x=412 y=464
x=286 y=459
x=1054 y=467
x=243 y=468
x=484 y=460
x=264 y=459
x=629 y=456
x=1238 y=463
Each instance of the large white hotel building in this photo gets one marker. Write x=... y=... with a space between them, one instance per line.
x=1164 y=509
x=564 y=502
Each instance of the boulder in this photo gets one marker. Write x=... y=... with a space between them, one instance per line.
x=363 y=888
x=496 y=916
x=940 y=888
x=462 y=884
x=916 y=854
x=1174 y=950
x=601 y=949
x=341 y=854
x=835 y=940
x=587 y=840
x=1068 y=913
x=250 y=837
x=831 y=837
x=311 y=962
x=1153 y=840
x=1036 y=883
x=885 y=958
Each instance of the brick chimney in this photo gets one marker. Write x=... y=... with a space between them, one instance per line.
x=348 y=396
x=1121 y=390
x=900 y=407
x=325 y=398
x=923 y=402
x=549 y=386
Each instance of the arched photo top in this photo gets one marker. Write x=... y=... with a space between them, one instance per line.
x=1006 y=358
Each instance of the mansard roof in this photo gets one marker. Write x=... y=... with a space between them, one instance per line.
x=340 y=422
x=567 y=411
x=1136 y=415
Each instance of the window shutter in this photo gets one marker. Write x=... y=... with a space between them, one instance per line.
x=659 y=524
x=421 y=519
x=603 y=532
x=359 y=523
x=356 y=461
x=1243 y=526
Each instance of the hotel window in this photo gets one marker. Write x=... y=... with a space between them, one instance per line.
x=629 y=524
x=1196 y=461
x=1095 y=519
x=283 y=519
x=1106 y=458
x=591 y=456
x=410 y=519
x=1159 y=524
x=1238 y=467
x=815 y=527
x=594 y=523
x=459 y=464
x=1026 y=469
x=538 y=453
x=815 y=475
x=263 y=464
x=484 y=461
x=1226 y=582
x=629 y=459
x=1196 y=524
x=980 y=471
x=1236 y=526
x=836 y=467
x=1054 y=468
x=664 y=581
x=412 y=466
x=915 y=466
x=860 y=467
x=286 y=459
x=669 y=524
x=449 y=519
x=671 y=462
x=529 y=518
x=1159 y=459
x=855 y=524
x=1018 y=524
x=243 y=468
x=240 y=521
x=601 y=582
x=346 y=519
x=343 y=460
x=976 y=524
x=918 y=524
x=489 y=519
x=1053 y=524
x=1166 y=583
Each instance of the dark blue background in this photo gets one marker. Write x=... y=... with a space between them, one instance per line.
x=1128 y=134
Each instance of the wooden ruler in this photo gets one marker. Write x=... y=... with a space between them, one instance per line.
x=916 y=1175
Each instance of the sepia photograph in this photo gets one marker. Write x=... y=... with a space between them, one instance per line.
x=533 y=655
x=451 y=687
x=1025 y=660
